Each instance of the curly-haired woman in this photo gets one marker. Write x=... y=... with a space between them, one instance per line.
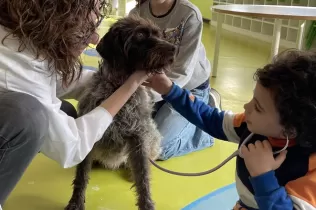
x=39 y=64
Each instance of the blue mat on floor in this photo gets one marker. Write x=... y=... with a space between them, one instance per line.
x=222 y=199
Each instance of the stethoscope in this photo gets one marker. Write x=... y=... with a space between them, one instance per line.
x=234 y=154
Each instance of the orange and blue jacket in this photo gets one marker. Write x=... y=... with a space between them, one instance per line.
x=291 y=186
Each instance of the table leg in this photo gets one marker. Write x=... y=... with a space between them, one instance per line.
x=276 y=38
x=300 y=37
x=220 y=18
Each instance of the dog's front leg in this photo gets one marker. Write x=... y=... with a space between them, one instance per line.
x=79 y=185
x=138 y=161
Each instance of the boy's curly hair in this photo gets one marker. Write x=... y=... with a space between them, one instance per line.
x=291 y=77
x=53 y=29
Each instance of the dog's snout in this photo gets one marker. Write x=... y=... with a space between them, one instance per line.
x=168 y=46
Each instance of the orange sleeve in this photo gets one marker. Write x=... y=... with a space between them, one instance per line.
x=304 y=188
x=239 y=119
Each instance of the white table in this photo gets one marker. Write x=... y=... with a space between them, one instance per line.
x=265 y=11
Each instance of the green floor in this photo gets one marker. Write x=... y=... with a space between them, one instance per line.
x=240 y=56
x=46 y=186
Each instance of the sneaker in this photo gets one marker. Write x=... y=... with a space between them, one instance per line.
x=215 y=99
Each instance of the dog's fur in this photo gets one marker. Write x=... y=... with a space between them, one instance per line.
x=131 y=44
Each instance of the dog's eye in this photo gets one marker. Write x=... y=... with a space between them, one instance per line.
x=140 y=36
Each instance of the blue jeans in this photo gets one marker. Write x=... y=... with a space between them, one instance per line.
x=23 y=126
x=180 y=137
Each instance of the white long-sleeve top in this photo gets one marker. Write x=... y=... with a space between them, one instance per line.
x=68 y=140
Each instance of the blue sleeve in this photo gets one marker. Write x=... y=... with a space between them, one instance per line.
x=197 y=112
x=269 y=194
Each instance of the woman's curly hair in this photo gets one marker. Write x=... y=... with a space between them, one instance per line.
x=53 y=29
x=291 y=77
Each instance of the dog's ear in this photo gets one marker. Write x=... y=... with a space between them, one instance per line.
x=105 y=47
x=110 y=51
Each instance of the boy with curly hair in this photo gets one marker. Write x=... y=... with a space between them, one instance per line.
x=282 y=113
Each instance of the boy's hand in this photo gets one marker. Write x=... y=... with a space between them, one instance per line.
x=259 y=158
x=160 y=83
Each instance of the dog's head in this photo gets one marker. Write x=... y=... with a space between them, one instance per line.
x=133 y=43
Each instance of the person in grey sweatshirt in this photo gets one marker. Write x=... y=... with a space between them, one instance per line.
x=182 y=24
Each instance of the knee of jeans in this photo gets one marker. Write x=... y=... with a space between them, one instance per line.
x=201 y=94
x=24 y=115
x=164 y=156
x=168 y=152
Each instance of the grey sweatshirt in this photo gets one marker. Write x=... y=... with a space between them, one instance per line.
x=182 y=26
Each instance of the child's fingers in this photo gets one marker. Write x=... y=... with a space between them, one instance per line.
x=251 y=147
x=244 y=151
x=258 y=144
x=280 y=159
x=266 y=144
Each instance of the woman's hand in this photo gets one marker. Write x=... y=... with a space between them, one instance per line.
x=117 y=100
x=259 y=158
x=160 y=83
x=139 y=76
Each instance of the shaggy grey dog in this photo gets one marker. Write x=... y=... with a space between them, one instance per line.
x=132 y=43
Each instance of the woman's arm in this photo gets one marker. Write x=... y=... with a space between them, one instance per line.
x=69 y=140
x=116 y=101
x=72 y=139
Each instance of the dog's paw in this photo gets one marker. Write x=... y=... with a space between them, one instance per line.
x=75 y=206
